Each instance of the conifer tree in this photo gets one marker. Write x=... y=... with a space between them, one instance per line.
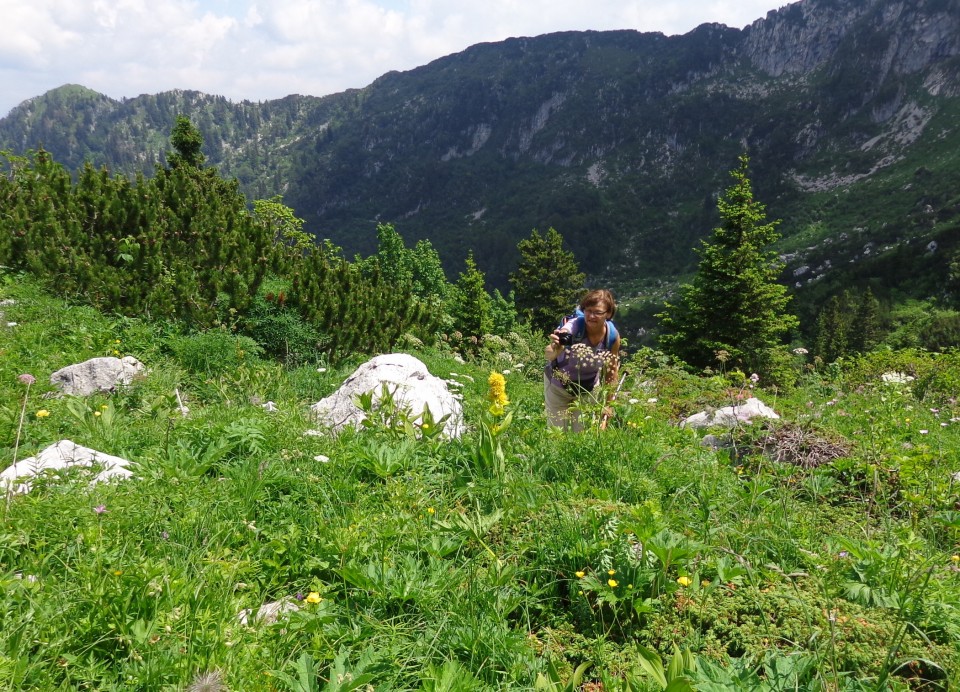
x=187 y=143
x=832 y=339
x=734 y=303
x=472 y=304
x=547 y=281
x=865 y=334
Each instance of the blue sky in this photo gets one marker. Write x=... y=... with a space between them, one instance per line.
x=266 y=49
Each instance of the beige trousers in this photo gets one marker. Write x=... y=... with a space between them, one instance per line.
x=558 y=403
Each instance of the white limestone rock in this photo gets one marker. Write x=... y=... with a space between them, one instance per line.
x=97 y=375
x=64 y=454
x=413 y=388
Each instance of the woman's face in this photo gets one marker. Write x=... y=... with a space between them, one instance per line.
x=596 y=313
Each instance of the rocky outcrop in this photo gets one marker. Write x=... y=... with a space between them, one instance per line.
x=901 y=37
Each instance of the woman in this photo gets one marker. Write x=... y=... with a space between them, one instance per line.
x=591 y=358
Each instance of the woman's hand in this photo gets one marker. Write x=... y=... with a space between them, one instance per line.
x=554 y=348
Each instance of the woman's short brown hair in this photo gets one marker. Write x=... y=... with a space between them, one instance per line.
x=598 y=296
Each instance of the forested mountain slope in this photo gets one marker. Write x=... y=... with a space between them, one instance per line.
x=621 y=140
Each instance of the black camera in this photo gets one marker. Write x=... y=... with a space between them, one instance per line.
x=566 y=338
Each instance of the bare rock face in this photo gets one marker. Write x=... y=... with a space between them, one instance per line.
x=96 y=375
x=802 y=36
x=64 y=454
x=412 y=387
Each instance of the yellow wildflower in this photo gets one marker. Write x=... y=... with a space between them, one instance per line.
x=612 y=583
x=431 y=510
x=313 y=597
x=955 y=558
x=42 y=413
x=684 y=581
x=611 y=572
x=96 y=413
x=498 y=390
x=581 y=575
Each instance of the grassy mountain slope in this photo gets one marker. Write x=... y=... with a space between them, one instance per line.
x=819 y=552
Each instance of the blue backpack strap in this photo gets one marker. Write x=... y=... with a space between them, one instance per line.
x=579 y=326
x=612 y=335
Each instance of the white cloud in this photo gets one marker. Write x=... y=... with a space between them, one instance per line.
x=264 y=49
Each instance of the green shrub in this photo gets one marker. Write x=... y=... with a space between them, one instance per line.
x=214 y=352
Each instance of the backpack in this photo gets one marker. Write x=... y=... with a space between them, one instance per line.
x=579 y=329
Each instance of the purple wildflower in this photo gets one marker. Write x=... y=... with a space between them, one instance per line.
x=27 y=379
x=100 y=509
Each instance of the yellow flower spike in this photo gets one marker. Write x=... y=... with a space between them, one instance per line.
x=313 y=597
x=612 y=583
x=497 y=393
x=42 y=413
x=581 y=575
x=684 y=581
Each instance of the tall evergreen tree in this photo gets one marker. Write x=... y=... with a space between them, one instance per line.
x=547 y=281
x=832 y=340
x=865 y=333
x=734 y=303
x=187 y=143
x=472 y=304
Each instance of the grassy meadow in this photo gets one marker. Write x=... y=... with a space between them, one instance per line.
x=816 y=552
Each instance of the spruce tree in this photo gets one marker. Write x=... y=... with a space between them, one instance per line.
x=548 y=283
x=187 y=143
x=472 y=305
x=832 y=340
x=734 y=303
x=865 y=334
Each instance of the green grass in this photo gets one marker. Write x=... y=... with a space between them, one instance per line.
x=504 y=560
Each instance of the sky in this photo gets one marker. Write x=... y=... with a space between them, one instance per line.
x=265 y=49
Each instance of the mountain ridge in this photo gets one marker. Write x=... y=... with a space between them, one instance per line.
x=619 y=136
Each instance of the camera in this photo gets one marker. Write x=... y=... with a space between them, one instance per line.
x=566 y=338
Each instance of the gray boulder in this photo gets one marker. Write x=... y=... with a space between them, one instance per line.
x=96 y=375
x=412 y=387
x=64 y=454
